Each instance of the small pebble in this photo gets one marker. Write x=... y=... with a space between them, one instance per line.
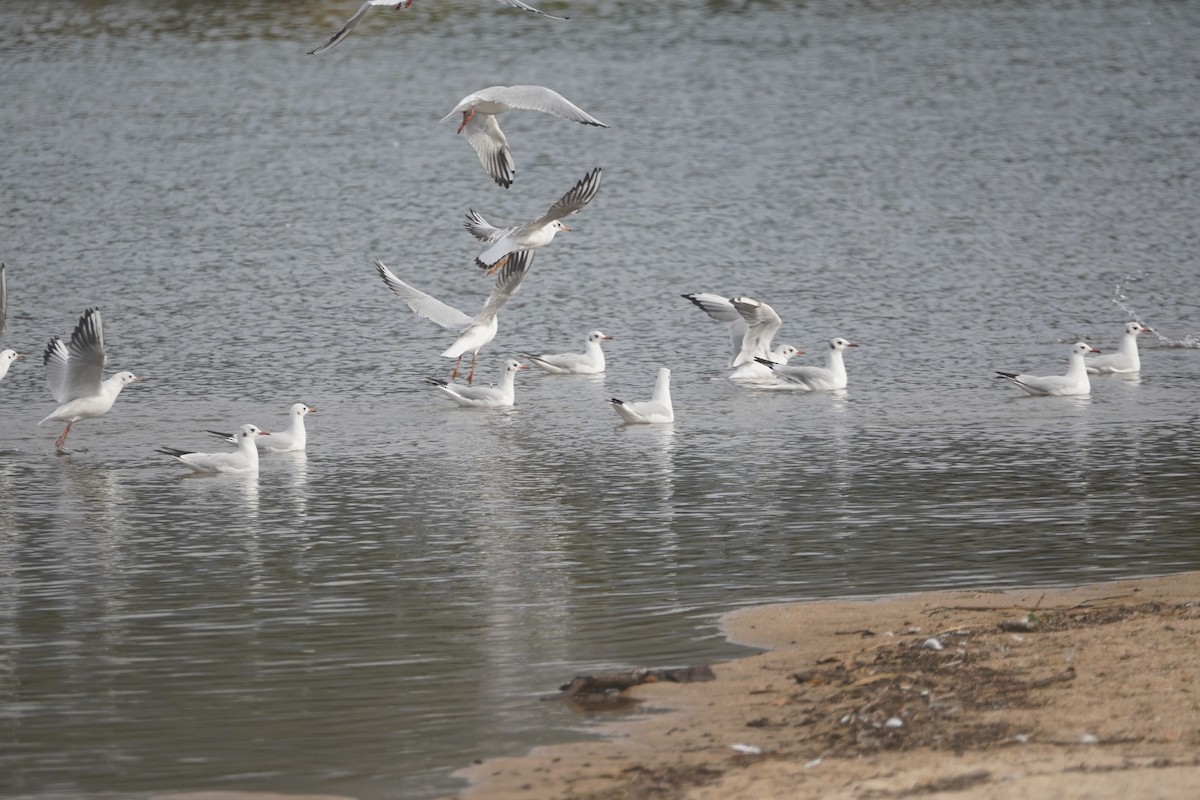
x=894 y=722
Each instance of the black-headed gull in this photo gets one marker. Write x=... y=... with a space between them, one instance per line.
x=294 y=438
x=589 y=362
x=1126 y=359
x=7 y=355
x=352 y=23
x=531 y=235
x=828 y=378
x=244 y=459
x=723 y=310
x=75 y=373
x=1075 y=382
x=656 y=410
x=479 y=110
x=499 y=396
x=474 y=332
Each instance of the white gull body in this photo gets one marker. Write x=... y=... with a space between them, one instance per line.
x=1075 y=382
x=656 y=410
x=75 y=373
x=723 y=310
x=244 y=459
x=532 y=235
x=589 y=362
x=7 y=356
x=502 y=395
x=479 y=110
x=829 y=378
x=1126 y=359
x=370 y=5
x=473 y=332
x=286 y=441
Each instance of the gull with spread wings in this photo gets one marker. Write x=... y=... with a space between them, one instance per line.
x=474 y=332
x=538 y=233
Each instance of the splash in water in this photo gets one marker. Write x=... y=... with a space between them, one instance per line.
x=1121 y=298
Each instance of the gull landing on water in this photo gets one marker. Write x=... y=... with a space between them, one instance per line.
x=1075 y=382
x=589 y=362
x=474 y=332
x=292 y=439
x=75 y=373
x=738 y=321
x=500 y=396
x=366 y=7
x=244 y=459
x=1126 y=359
x=538 y=233
x=656 y=410
x=479 y=110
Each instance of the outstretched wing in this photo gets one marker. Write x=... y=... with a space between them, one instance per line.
x=573 y=201
x=539 y=98
x=422 y=304
x=350 y=25
x=483 y=133
x=762 y=323
x=507 y=283
x=483 y=230
x=529 y=8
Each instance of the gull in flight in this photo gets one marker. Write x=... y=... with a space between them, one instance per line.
x=294 y=438
x=1075 y=382
x=1126 y=359
x=657 y=409
x=589 y=362
x=244 y=459
x=7 y=356
x=479 y=110
x=830 y=377
x=531 y=235
x=75 y=373
x=473 y=332
x=500 y=396
x=366 y=7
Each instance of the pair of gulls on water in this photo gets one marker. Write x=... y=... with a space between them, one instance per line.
x=752 y=328
x=250 y=441
x=1123 y=362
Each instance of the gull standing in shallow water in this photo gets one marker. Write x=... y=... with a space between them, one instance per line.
x=531 y=235
x=294 y=438
x=7 y=356
x=1075 y=382
x=828 y=378
x=479 y=110
x=75 y=373
x=474 y=332
x=1126 y=359
x=657 y=409
x=366 y=7
x=589 y=362
x=500 y=396
x=244 y=459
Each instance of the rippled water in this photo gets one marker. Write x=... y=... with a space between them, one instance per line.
x=958 y=189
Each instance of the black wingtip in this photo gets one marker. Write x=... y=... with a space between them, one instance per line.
x=172 y=451
x=766 y=362
x=221 y=434
x=617 y=402
x=1009 y=375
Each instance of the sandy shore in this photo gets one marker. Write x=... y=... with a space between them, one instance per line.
x=1086 y=692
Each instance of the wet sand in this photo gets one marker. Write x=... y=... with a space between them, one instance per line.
x=1084 y=692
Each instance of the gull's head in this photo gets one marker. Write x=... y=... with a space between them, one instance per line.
x=127 y=378
x=1083 y=347
x=513 y=366
x=787 y=351
x=299 y=410
x=596 y=336
x=250 y=431
x=10 y=356
x=558 y=225
x=840 y=344
x=1136 y=327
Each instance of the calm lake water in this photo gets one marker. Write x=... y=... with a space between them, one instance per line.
x=959 y=189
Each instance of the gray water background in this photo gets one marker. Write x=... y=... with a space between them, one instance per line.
x=959 y=188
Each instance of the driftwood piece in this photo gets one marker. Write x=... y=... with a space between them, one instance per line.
x=605 y=689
